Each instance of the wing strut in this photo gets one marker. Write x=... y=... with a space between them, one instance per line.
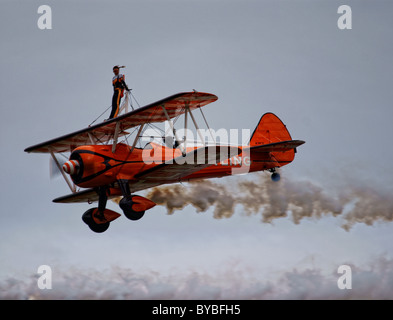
x=196 y=125
x=207 y=125
x=137 y=137
x=125 y=103
x=91 y=138
x=72 y=186
x=172 y=127
x=115 y=136
x=185 y=129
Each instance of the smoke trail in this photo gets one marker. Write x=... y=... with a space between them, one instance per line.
x=201 y=195
x=369 y=282
x=297 y=199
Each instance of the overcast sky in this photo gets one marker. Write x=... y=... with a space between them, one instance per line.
x=331 y=87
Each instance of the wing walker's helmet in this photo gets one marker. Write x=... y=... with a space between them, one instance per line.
x=117 y=67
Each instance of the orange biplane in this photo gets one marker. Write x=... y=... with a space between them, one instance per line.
x=106 y=168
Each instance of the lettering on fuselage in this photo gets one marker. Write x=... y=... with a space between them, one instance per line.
x=236 y=161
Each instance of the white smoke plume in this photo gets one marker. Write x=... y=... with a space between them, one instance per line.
x=272 y=200
x=369 y=282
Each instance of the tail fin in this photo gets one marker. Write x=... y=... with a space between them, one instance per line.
x=270 y=129
x=273 y=133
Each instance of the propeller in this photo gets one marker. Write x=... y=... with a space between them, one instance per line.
x=54 y=171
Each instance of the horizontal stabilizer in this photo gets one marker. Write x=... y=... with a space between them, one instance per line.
x=277 y=146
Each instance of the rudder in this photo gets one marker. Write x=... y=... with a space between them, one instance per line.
x=270 y=129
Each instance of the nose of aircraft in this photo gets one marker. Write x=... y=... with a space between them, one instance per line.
x=71 y=166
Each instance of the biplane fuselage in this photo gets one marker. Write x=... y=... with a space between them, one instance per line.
x=99 y=166
x=107 y=170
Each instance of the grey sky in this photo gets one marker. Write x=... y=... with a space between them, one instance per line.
x=331 y=87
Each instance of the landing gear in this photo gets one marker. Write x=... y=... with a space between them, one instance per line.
x=98 y=219
x=275 y=175
x=126 y=204
x=93 y=225
x=133 y=206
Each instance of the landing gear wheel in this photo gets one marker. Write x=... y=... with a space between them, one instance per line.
x=126 y=205
x=275 y=176
x=96 y=227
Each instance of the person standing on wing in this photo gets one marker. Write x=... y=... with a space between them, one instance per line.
x=118 y=86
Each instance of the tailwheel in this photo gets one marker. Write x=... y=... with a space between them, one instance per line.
x=91 y=222
x=275 y=175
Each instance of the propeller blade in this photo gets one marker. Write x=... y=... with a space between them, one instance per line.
x=53 y=169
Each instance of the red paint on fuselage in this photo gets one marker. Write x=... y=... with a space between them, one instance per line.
x=102 y=167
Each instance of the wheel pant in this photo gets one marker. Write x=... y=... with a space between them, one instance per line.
x=115 y=103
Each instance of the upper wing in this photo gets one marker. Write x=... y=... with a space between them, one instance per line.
x=174 y=106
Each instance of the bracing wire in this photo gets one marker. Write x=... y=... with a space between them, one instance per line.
x=135 y=99
x=99 y=116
